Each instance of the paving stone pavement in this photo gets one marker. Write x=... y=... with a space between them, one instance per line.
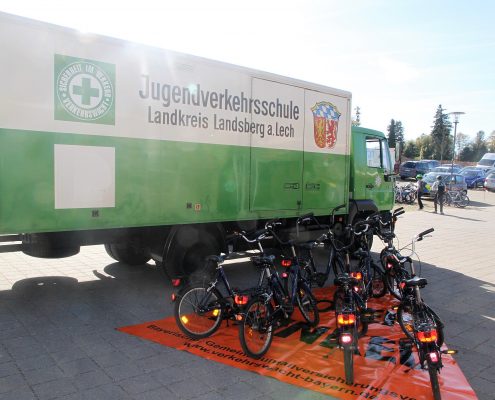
x=58 y=320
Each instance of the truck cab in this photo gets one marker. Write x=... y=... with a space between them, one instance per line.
x=372 y=181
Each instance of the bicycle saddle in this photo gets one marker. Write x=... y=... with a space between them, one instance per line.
x=360 y=253
x=216 y=259
x=343 y=279
x=260 y=260
x=416 y=281
x=307 y=245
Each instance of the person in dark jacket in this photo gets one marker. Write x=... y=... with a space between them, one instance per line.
x=438 y=187
x=420 y=190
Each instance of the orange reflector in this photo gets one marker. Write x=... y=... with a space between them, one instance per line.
x=184 y=319
x=174 y=296
x=175 y=282
x=238 y=317
x=345 y=338
x=346 y=319
x=241 y=300
x=427 y=336
x=215 y=312
x=286 y=263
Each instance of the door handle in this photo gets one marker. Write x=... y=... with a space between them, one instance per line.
x=370 y=186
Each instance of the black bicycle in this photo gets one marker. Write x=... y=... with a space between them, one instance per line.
x=275 y=302
x=336 y=260
x=421 y=324
x=200 y=308
x=352 y=314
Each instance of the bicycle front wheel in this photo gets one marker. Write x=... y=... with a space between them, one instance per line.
x=378 y=286
x=256 y=328
x=307 y=305
x=198 y=312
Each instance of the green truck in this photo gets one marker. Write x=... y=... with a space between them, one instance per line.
x=159 y=155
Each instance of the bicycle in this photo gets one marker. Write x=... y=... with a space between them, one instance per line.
x=275 y=302
x=421 y=324
x=350 y=301
x=335 y=261
x=199 y=309
x=457 y=198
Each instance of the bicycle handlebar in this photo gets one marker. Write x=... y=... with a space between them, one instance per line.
x=422 y=234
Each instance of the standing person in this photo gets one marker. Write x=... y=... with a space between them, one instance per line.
x=420 y=190
x=438 y=187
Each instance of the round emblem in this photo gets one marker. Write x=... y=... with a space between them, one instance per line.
x=85 y=90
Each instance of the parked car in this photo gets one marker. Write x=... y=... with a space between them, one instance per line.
x=452 y=182
x=474 y=177
x=490 y=182
x=410 y=169
x=447 y=168
x=487 y=161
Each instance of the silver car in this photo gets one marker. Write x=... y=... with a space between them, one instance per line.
x=490 y=182
x=452 y=181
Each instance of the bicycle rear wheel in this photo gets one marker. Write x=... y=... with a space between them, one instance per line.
x=435 y=386
x=406 y=319
x=339 y=306
x=198 y=312
x=256 y=328
x=463 y=201
x=349 y=364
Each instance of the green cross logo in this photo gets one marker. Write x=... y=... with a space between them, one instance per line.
x=84 y=90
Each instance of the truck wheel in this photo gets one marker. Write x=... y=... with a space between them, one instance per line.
x=127 y=254
x=186 y=253
x=43 y=245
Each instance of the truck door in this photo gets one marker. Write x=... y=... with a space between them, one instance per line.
x=277 y=131
x=379 y=186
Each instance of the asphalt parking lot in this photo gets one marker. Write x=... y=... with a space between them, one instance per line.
x=58 y=319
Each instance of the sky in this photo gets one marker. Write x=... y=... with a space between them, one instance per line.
x=400 y=59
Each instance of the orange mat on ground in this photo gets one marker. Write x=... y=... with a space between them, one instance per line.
x=312 y=360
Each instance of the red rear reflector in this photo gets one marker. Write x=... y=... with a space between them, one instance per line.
x=175 y=282
x=346 y=319
x=345 y=338
x=286 y=263
x=427 y=336
x=433 y=357
x=402 y=285
x=174 y=296
x=241 y=300
x=357 y=275
x=390 y=265
x=285 y=275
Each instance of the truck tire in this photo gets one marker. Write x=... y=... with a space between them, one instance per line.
x=43 y=245
x=127 y=253
x=186 y=250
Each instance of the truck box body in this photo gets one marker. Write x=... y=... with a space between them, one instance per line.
x=160 y=154
x=100 y=133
